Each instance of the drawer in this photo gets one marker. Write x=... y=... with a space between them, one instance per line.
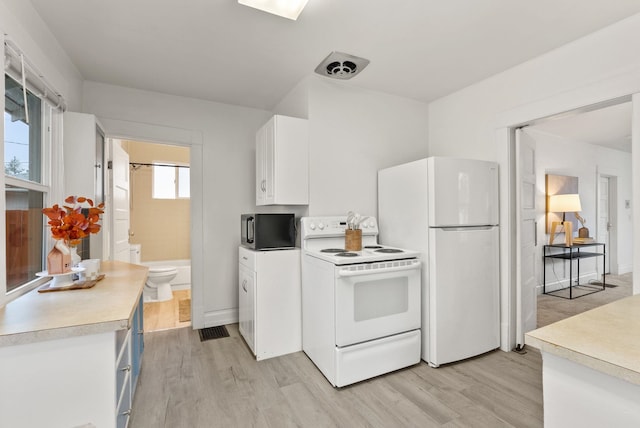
x=247 y=258
x=123 y=411
x=123 y=368
x=121 y=338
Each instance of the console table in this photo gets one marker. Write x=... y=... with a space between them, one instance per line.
x=574 y=252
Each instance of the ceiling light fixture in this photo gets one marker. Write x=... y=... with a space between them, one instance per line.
x=286 y=8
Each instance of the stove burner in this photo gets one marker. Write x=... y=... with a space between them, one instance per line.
x=332 y=250
x=372 y=247
x=347 y=254
x=389 y=250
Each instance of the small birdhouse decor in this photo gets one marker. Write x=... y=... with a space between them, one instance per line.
x=59 y=259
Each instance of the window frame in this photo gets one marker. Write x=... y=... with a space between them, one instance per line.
x=50 y=136
x=176 y=166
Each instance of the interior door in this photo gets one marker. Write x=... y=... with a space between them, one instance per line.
x=526 y=230
x=604 y=217
x=119 y=202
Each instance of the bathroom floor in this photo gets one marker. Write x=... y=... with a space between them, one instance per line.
x=165 y=315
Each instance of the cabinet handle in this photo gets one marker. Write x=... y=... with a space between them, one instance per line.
x=140 y=331
x=126 y=368
x=263 y=185
x=244 y=285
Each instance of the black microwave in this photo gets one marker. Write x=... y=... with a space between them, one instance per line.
x=268 y=231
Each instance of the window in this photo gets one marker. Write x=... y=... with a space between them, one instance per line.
x=171 y=181
x=24 y=189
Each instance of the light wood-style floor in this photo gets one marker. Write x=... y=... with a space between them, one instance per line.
x=552 y=308
x=164 y=315
x=218 y=383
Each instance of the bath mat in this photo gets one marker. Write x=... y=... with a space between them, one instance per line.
x=213 y=333
x=184 y=310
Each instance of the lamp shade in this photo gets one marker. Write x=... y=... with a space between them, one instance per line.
x=565 y=203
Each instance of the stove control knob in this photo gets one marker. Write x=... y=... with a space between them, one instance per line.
x=321 y=226
x=364 y=225
x=312 y=226
x=372 y=223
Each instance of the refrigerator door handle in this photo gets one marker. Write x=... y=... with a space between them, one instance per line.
x=466 y=228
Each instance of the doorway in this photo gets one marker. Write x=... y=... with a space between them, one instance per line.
x=160 y=227
x=154 y=133
x=607 y=201
x=563 y=148
x=507 y=136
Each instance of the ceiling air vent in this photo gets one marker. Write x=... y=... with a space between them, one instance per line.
x=342 y=66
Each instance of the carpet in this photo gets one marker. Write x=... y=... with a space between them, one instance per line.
x=184 y=310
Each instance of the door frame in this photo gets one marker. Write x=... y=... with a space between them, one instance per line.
x=158 y=134
x=620 y=88
x=612 y=248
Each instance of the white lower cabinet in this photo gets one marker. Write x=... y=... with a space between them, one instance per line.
x=269 y=301
x=246 y=306
x=128 y=364
x=70 y=381
x=123 y=379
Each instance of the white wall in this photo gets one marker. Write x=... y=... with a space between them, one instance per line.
x=353 y=134
x=463 y=123
x=468 y=122
x=21 y=24
x=228 y=174
x=555 y=155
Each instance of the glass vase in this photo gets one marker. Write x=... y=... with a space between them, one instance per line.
x=75 y=261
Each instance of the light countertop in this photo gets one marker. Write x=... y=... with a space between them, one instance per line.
x=107 y=306
x=606 y=339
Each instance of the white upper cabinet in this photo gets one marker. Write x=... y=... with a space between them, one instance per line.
x=282 y=164
x=83 y=142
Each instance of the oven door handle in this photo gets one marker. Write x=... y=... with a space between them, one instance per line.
x=347 y=272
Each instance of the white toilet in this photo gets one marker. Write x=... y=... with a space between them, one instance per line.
x=158 y=286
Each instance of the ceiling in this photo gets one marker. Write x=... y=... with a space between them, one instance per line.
x=222 y=51
x=608 y=127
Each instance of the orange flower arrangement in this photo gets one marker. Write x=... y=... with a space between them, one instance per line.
x=69 y=223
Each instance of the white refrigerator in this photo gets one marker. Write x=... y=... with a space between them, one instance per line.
x=447 y=209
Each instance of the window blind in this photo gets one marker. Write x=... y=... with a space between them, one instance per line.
x=21 y=69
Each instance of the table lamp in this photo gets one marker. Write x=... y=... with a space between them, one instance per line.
x=564 y=204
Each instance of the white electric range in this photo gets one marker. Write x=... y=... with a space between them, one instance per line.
x=360 y=309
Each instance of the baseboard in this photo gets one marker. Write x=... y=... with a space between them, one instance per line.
x=564 y=283
x=222 y=317
x=622 y=269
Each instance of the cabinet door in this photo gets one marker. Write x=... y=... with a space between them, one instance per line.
x=137 y=339
x=260 y=166
x=269 y=161
x=246 y=306
x=282 y=165
x=80 y=162
x=265 y=164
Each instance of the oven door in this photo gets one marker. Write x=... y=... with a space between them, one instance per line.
x=375 y=300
